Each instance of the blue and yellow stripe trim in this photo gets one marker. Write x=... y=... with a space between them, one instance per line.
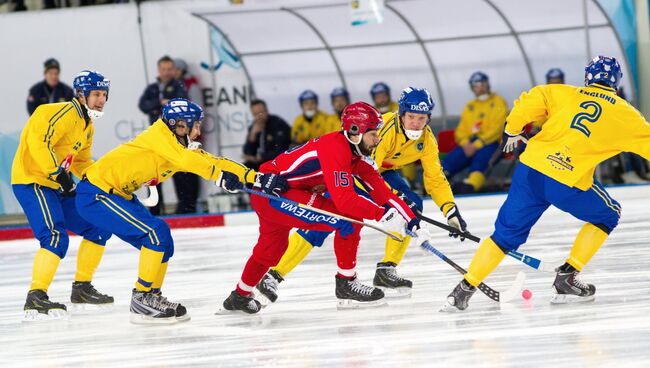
x=128 y=217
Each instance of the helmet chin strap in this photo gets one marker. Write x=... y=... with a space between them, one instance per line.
x=356 y=145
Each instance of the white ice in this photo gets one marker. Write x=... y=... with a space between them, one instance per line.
x=304 y=328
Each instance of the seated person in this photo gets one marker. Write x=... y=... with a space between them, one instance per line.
x=477 y=135
x=312 y=122
x=268 y=136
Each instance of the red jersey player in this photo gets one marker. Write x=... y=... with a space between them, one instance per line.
x=328 y=163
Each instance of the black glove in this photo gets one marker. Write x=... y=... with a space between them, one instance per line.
x=230 y=182
x=271 y=183
x=455 y=220
x=68 y=185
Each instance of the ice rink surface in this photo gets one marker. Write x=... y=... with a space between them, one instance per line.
x=304 y=328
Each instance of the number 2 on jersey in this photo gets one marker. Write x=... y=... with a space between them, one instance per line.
x=592 y=117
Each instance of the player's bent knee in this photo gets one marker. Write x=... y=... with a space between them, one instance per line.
x=315 y=238
x=58 y=244
x=606 y=228
x=169 y=252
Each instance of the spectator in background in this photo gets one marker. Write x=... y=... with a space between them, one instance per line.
x=340 y=99
x=154 y=97
x=268 y=136
x=477 y=135
x=312 y=122
x=555 y=76
x=50 y=89
x=191 y=84
x=380 y=93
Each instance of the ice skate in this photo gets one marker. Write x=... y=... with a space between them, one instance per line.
x=85 y=298
x=238 y=303
x=569 y=288
x=353 y=294
x=38 y=307
x=179 y=309
x=459 y=297
x=149 y=308
x=267 y=288
x=392 y=284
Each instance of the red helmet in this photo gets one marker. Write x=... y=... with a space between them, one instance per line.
x=359 y=117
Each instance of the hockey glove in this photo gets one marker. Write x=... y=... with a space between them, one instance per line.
x=455 y=220
x=512 y=141
x=392 y=221
x=229 y=181
x=68 y=185
x=423 y=235
x=271 y=183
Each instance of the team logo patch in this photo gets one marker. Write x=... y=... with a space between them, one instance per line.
x=420 y=146
x=172 y=122
x=561 y=160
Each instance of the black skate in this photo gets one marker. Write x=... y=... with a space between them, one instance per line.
x=38 y=307
x=459 y=297
x=149 y=308
x=238 y=303
x=85 y=297
x=268 y=286
x=353 y=294
x=568 y=288
x=392 y=284
x=179 y=309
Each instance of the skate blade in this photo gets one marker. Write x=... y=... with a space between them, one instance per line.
x=86 y=308
x=344 y=304
x=225 y=312
x=396 y=293
x=184 y=318
x=140 y=319
x=571 y=299
x=52 y=315
x=449 y=307
x=256 y=294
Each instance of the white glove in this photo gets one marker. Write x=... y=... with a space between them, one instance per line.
x=393 y=222
x=423 y=235
x=513 y=141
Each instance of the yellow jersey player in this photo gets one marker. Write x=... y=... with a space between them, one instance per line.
x=584 y=126
x=105 y=198
x=340 y=98
x=311 y=123
x=477 y=135
x=380 y=94
x=56 y=141
x=405 y=139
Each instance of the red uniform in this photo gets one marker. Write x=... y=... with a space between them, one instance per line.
x=322 y=164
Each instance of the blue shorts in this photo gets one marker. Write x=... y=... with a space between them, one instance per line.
x=393 y=178
x=456 y=161
x=532 y=192
x=50 y=214
x=127 y=219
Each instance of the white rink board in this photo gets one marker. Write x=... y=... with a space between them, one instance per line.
x=304 y=329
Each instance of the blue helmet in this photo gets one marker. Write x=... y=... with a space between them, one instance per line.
x=415 y=100
x=603 y=69
x=88 y=80
x=340 y=92
x=478 y=77
x=379 y=87
x=307 y=95
x=181 y=109
x=554 y=73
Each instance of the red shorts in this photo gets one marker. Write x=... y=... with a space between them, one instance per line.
x=275 y=227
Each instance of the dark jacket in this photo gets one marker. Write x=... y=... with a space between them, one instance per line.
x=150 y=99
x=276 y=139
x=41 y=93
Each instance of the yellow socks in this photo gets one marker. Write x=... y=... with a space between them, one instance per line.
x=43 y=270
x=487 y=258
x=87 y=260
x=587 y=243
x=157 y=283
x=395 y=249
x=150 y=262
x=297 y=250
x=476 y=179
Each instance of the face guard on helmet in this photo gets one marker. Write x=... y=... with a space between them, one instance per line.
x=87 y=81
x=417 y=101
x=358 y=118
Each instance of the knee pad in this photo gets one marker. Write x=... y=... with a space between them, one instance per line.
x=315 y=238
x=56 y=243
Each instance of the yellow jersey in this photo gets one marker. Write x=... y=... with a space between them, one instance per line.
x=153 y=157
x=395 y=151
x=584 y=126
x=303 y=130
x=393 y=107
x=52 y=132
x=482 y=120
